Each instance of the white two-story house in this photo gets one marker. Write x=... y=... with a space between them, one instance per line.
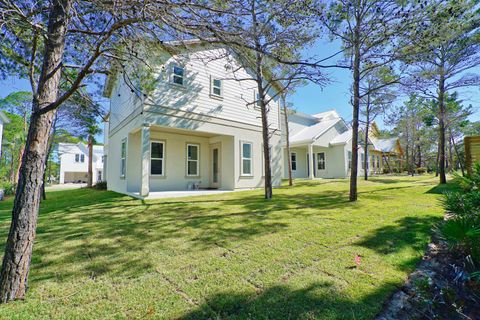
x=199 y=127
x=74 y=163
x=3 y=120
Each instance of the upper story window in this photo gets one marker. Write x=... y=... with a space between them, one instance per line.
x=79 y=157
x=178 y=75
x=257 y=100
x=294 y=161
x=246 y=155
x=217 y=87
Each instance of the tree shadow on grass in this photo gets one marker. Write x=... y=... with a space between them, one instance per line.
x=442 y=188
x=319 y=300
x=91 y=233
x=408 y=232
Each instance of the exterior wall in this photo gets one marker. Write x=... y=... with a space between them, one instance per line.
x=69 y=169
x=189 y=130
x=325 y=138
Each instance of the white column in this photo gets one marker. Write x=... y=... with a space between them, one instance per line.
x=145 y=161
x=310 y=161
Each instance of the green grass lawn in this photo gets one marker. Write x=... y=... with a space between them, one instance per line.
x=99 y=254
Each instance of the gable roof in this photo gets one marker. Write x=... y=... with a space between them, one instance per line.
x=175 y=47
x=342 y=138
x=312 y=133
x=386 y=145
x=4 y=118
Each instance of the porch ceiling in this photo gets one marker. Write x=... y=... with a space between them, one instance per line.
x=155 y=128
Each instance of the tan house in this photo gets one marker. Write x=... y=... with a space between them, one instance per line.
x=387 y=152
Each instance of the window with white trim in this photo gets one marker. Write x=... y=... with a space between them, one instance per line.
x=193 y=162
x=82 y=158
x=246 y=159
x=256 y=96
x=321 y=161
x=294 y=161
x=77 y=157
x=157 y=158
x=178 y=75
x=123 y=158
x=216 y=87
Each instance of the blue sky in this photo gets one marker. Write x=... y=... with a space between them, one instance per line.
x=310 y=98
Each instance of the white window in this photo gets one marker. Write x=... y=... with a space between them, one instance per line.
x=321 y=161
x=178 y=75
x=193 y=159
x=294 y=161
x=77 y=157
x=123 y=158
x=82 y=158
x=257 y=100
x=362 y=156
x=157 y=158
x=246 y=163
x=216 y=87
x=349 y=159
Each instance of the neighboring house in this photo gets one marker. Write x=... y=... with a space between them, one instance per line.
x=199 y=128
x=3 y=120
x=388 y=153
x=328 y=138
x=74 y=163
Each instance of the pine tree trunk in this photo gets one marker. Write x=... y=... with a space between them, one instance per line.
x=441 y=128
x=367 y=127
x=90 y=161
x=287 y=138
x=18 y=249
x=356 y=109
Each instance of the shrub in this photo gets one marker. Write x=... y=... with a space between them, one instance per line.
x=461 y=203
x=421 y=170
x=385 y=171
x=102 y=185
x=8 y=188
x=470 y=181
x=463 y=234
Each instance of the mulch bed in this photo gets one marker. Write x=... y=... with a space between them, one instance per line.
x=437 y=289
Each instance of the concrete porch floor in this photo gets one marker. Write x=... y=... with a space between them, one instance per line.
x=179 y=194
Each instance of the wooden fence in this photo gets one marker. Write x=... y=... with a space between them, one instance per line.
x=472 y=151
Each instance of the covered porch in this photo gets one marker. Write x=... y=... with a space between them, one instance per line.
x=163 y=162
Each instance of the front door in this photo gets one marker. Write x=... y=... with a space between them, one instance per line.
x=215 y=166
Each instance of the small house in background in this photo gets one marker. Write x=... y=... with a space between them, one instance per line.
x=472 y=151
x=388 y=152
x=74 y=163
x=3 y=120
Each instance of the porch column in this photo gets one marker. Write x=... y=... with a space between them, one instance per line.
x=310 y=161
x=145 y=160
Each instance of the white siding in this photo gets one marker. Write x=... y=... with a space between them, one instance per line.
x=238 y=96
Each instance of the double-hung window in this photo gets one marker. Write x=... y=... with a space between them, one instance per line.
x=246 y=161
x=123 y=158
x=82 y=158
x=217 y=87
x=321 y=161
x=257 y=104
x=193 y=162
x=77 y=157
x=294 y=161
x=157 y=158
x=178 y=75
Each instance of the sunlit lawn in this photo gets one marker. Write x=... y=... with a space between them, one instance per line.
x=103 y=255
